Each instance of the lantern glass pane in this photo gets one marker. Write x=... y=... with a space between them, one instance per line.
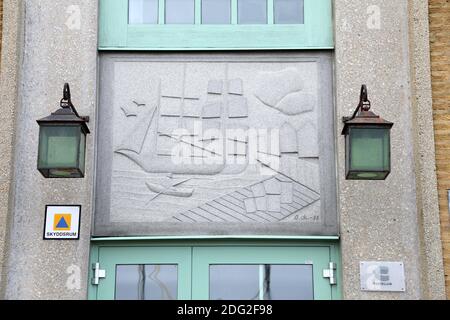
x=82 y=152
x=58 y=146
x=369 y=149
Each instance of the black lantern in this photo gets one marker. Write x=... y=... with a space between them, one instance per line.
x=367 y=143
x=62 y=141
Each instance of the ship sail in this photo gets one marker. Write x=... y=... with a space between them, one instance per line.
x=135 y=140
x=157 y=145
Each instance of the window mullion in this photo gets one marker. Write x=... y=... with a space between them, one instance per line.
x=270 y=9
x=234 y=11
x=198 y=11
x=161 y=11
x=262 y=276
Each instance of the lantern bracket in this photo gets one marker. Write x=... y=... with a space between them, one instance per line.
x=66 y=102
x=364 y=104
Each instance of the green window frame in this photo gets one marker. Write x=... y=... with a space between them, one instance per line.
x=115 y=33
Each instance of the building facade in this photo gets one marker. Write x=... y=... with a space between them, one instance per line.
x=440 y=64
x=252 y=100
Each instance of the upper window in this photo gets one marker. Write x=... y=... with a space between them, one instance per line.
x=215 y=24
x=216 y=12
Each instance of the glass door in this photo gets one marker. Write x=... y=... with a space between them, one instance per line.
x=260 y=273
x=213 y=272
x=145 y=273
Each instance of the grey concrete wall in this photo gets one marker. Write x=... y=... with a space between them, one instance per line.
x=381 y=220
x=57 y=48
x=9 y=67
x=433 y=282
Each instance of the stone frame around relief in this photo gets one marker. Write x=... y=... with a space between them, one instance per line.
x=329 y=223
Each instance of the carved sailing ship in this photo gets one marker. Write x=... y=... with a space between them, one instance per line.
x=194 y=129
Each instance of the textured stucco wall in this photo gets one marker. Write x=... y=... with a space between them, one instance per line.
x=59 y=46
x=9 y=68
x=440 y=64
x=383 y=220
x=1 y=25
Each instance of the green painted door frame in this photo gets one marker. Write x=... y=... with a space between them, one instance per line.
x=194 y=257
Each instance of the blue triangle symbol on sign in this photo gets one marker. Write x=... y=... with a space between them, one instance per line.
x=62 y=223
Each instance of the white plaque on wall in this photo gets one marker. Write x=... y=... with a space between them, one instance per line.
x=382 y=276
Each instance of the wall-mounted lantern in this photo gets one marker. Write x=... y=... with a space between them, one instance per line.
x=62 y=141
x=367 y=143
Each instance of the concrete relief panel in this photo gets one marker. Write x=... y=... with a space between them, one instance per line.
x=229 y=144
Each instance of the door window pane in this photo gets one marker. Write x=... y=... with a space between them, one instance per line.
x=290 y=282
x=143 y=11
x=261 y=282
x=146 y=282
x=216 y=11
x=234 y=282
x=252 y=11
x=180 y=11
x=289 y=11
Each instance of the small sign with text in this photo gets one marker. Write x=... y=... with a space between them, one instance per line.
x=382 y=276
x=62 y=222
